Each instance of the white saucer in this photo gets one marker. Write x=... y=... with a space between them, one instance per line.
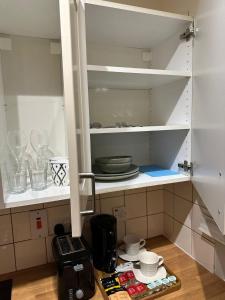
x=146 y=279
x=122 y=254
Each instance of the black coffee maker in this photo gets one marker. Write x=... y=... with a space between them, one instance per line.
x=104 y=241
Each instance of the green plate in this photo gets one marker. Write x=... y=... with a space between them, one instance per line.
x=98 y=173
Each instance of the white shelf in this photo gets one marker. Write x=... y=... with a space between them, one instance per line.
x=131 y=78
x=130 y=26
x=139 y=129
x=142 y=180
x=52 y=193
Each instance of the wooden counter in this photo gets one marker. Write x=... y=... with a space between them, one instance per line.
x=197 y=283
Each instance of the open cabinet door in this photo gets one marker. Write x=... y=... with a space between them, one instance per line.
x=208 y=136
x=76 y=108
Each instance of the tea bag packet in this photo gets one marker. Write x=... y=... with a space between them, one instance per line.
x=127 y=278
x=172 y=279
x=166 y=282
x=137 y=291
x=121 y=295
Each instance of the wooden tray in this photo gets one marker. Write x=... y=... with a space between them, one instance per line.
x=166 y=291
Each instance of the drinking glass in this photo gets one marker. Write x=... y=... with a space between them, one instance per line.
x=17 y=181
x=38 y=178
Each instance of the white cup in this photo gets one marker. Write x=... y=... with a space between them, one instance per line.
x=133 y=244
x=150 y=262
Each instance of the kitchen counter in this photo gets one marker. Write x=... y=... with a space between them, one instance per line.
x=197 y=282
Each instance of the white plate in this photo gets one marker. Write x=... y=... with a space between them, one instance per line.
x=147 y=279
x=123 y=255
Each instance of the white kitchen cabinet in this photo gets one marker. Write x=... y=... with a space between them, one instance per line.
x=121 y=64
x=42 y=89
x=139 y=73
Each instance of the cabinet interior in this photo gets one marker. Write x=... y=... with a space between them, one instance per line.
x=165 y=149
x=31 y=85
x=33 y=92
x=158 y=103
x=139 y=73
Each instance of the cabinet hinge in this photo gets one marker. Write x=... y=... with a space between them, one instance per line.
x=186 y=166
x=189 y=33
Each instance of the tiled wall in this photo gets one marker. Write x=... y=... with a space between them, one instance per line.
x=175 y=211
x=144 y=208
x=19 y=251
x=17 y=248
x=184 y=217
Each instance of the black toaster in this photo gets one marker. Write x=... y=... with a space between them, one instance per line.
x=75 y=268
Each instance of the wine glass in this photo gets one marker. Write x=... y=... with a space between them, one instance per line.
x=17 y=143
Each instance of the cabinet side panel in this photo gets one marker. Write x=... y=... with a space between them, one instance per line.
x=208 y=109
x=172 y=104
x=170 y=148
x=3 y=185
x=173 y=53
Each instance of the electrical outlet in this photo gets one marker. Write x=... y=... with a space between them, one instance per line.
x=120 y=213
x=38 y=224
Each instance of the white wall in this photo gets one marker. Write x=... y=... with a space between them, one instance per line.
x=180 y=6
x=33 y=89
x=2 y=109
x=2 y=128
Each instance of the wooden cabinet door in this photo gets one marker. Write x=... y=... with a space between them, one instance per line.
x=76 y=105
x=208 y=136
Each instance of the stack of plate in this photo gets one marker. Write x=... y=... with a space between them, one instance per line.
x=114 y=168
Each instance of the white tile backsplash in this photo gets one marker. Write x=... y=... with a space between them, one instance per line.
x=6 y=236
x=219 y=260
x=50 y=257
x=7 y=259
x=175 y=200
x=197 y=199
x=135 y=191
x=107 y=204
x=155 y=202
x=168 y=227
x=182 y=211
x=137 y=226
x=21 y=226
x=199 y=220
x=154 y=188
x=26 y=208
x=184 y=190
x=169 y=187
x=57 y=203
x=155 y=225
x=58 y=215
x=203 y=251
x=168 y=203
x=30 y=253
x=97 y=206
x=5 y=211
x=113 y=194
x=182 y=237
x=121 y=230
x=135 y=205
